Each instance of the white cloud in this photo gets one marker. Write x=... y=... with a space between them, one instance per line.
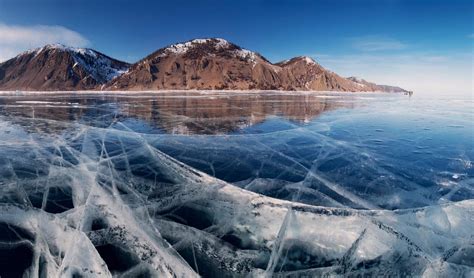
x=377 y=43
x=15 y=39
x=422 y=72
x=471 y=36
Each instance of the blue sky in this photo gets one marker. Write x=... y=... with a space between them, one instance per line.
x=410 y=43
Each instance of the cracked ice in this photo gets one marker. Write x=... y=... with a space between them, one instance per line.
x=219 y=185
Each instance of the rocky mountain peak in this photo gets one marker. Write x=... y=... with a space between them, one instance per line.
x=212 y=43
x=208 y=47
x=306 y=59
x=303 y=60
x=61 y=48
x=59 y=67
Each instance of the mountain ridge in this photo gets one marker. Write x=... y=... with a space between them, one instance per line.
x=199 y=64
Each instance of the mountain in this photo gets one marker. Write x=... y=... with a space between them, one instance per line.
x=374 y=87
x=218 y=64
x=57 y=67
x=303 y=73
x=200 y=64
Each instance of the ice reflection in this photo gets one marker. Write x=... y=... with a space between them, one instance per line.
x=183 y=113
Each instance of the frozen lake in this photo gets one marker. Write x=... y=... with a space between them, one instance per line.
x=243 y=184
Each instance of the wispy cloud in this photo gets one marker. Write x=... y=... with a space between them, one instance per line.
x=377 y=43
x=471 y=36
x=15 y=39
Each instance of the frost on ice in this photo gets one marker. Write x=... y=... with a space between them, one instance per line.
x=101 y=200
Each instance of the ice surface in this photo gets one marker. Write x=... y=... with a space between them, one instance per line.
x=188 y=185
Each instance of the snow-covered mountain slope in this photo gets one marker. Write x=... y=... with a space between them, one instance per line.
x=104 y=202
x=57 y=67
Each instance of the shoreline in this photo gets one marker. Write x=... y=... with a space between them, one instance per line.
x=202 y=92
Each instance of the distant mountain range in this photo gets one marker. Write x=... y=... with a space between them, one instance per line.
x=201 y=64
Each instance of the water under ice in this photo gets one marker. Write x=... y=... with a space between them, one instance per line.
x=218 y=185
